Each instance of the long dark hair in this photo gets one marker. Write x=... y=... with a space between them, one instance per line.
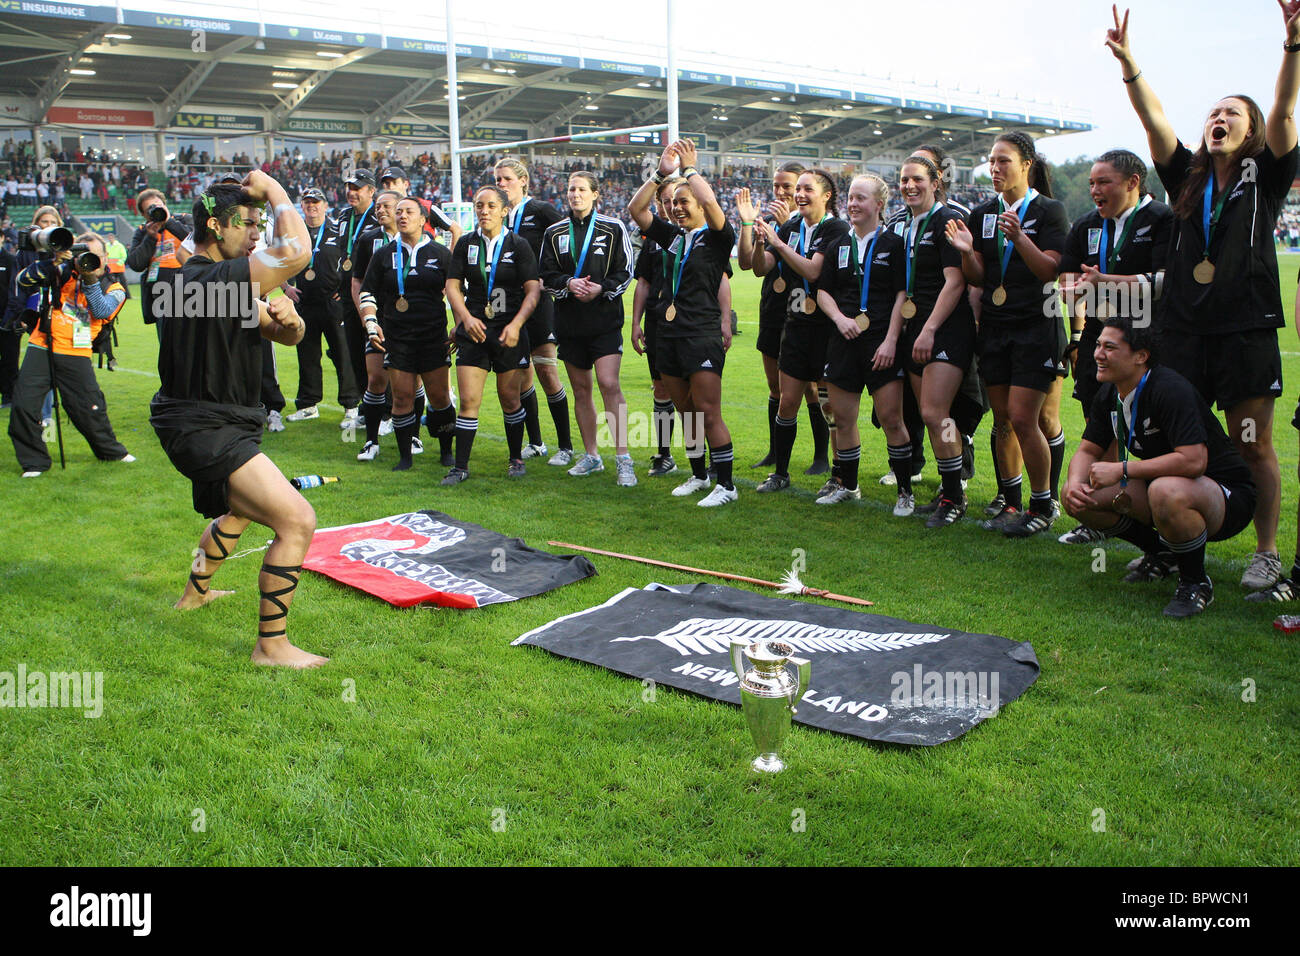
x=1039 y=175
x=1188 y=203
x=829 y=180
x=941 y=160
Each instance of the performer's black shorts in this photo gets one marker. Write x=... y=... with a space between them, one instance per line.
x=683 y=357
x=1238 y=511
x=803 y=350
x=582 y=351
x=490 y=354
x=207 y=443
x=849 y=361
x=417 y=355
x=954 y=343
x=1021 y=355
x=1226 y=369
x=541 y=324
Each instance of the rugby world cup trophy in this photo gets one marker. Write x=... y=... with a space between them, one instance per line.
x=768 y=695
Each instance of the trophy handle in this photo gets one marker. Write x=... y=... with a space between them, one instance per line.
x=804 y=674
x=738 y=646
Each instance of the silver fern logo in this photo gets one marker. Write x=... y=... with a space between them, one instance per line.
x=705 y=635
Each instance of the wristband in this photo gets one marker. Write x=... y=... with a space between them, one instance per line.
x=1076 y=335
x=690 y=171
x=658 y=178
x=743 y=223
x=1291 y=47
x=1133 y=78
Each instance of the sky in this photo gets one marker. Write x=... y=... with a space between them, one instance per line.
x=1192 y=52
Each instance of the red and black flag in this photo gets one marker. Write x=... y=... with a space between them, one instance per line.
x=427 y=557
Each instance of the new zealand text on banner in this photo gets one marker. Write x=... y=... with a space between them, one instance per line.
x=872 y=676
x=429 y=557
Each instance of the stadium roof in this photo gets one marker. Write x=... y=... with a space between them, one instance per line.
x=185 y=71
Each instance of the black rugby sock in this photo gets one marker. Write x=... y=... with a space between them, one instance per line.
x=515 y=432
x=1190 y=556
x=529 y=402
x=466 y=429
x=372 y=410
x=1057 y=447
x=664 y=421
x=1142 y=535
x=786 y=431
x=723 y=458
x=821 y=434
x=559 y=406
x=900 y=463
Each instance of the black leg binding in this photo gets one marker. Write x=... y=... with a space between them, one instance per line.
x=215 y=537
x=290 y=574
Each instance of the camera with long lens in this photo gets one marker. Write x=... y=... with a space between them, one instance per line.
x=84 y=259
x=51 y=240
x=158 y=213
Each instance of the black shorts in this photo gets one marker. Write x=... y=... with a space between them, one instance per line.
x=582 y=351
x=541 y=324
x=683 y=357
x=1226 y=369
x=651 y=328
x=848 y=364
x=416 y=355
x=207 y=443
x=769 y=339
x=1238 y=511
x=954 y=343
x=490 y=354
x=1021 y=355
x=803 y=350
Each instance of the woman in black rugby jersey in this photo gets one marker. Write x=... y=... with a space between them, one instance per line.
x=531 y=218
x=1113 y=261
x=495 y=289
x=694 y=339
x=862 y=289
x=1011 y=248
x=404 y=284
x=807 y=328
x=1221 y=305
x=938 y=332
x=784 y=214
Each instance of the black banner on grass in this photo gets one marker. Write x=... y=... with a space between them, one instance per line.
x=872 y=676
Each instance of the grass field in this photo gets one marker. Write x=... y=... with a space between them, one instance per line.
x=461 y=749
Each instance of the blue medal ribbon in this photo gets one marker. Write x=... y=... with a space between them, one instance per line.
x=688 y=246
x=320 y=233
x=591 y=228
x=490 y=275
x=804 y=239
x=864 y=271
x=1209 y=220
x=1127 y=447
x=1006 y=248
x=517 y=215
x=357 y=228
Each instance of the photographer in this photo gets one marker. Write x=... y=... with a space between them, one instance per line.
x=156 y=251
x=46 y=217
x=81 y=299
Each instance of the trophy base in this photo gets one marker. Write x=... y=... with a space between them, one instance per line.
x=767 y=763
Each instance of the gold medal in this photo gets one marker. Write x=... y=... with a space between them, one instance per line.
x=402 y=305
x=670 y=313
x=809 y=306
x=1122 y=503
x=487 y=311
x=1000 y=295
x=347 y=265
x=909 y=308
x=309 y=275
x=779 y=284
x=863 y=321
x=1204 y=271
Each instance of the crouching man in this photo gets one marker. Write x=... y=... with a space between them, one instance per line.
x=1155 y=467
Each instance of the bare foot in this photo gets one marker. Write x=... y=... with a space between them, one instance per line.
x=192 y=598
x=278 y=652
